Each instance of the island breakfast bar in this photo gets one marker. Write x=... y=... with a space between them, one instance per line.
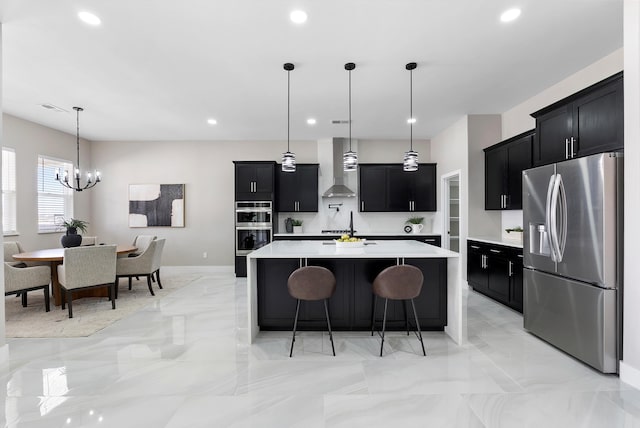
x=270 y=307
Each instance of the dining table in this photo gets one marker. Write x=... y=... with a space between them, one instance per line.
x=55 y=257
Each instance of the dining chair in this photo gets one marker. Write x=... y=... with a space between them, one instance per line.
x=85 y=268
x=89 y=240
x=141 y=242
x=19 y=280
x=145 y=264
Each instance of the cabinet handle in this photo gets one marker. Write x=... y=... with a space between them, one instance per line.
x=361 y=205
x=429 y=240
x=413 y=205
x=566 y=148
x=506 y=201
x=573 y=153
x=521 y=256
x=475 y=247
x=495 y=251
x=510 y=269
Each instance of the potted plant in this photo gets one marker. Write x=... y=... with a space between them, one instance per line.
x=297 y=225
x=415 y=224
x=71 y=237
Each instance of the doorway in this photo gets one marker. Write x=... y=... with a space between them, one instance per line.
x=451 y=211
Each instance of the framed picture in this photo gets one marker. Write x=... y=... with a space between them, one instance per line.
x=152 y=205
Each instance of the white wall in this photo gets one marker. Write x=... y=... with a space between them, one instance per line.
x=630 y=366
x=449 y=150
x=205 y=167
x=484 y=131
x=518 y=119
x=30 y=140
x=3 y=340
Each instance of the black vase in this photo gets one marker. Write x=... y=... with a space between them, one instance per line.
x=71 y=239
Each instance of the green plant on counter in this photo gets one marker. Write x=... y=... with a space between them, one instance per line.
x=75 y=224
x=295 y=222
x=415 y=220
x=514 y=229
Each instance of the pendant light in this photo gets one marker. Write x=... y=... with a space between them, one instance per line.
x=350 y=158
x=64 y=178
x=411 y=158
x=288 y=158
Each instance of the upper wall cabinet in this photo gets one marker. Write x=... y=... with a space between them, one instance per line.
x=297 y=191
x=503 y=166
x=254 y=180
x=388 y=188
x=588 y=122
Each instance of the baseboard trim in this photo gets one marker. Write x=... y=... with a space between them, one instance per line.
x=630 y=375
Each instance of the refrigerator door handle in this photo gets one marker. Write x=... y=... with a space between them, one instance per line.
x=562 y=199
x=548 y=220
x=553 y=229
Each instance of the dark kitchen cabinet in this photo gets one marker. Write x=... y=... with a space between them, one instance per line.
x=254 y=180
x=297 y=191
x=503 y=166
x=372 y=185
x=496 y=271
x=388 y=188
x=587 y=122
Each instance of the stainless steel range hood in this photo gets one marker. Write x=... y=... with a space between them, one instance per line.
x=339 y=189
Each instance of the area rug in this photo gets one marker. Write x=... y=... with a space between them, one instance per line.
x=90 y=314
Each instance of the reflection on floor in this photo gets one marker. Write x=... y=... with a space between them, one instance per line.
x=184 y=362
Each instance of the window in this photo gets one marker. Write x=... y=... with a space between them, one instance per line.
x=55 y=201
x=9 y=216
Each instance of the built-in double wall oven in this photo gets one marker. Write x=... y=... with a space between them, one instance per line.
x=254 y=225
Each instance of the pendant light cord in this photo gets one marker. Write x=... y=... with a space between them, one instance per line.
x=78 y=109
x=288 y=105
x=349 y=110
x=411 y=108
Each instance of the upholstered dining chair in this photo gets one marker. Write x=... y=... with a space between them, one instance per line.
x=142 y=242
x=20 y=280
x=145 y=264
x=21 y=277
x=87 y=267
x=89 y=240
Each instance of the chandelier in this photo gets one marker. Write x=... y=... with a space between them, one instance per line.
x=74 y=183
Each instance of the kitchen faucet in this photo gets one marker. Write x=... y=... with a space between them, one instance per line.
x=351 y=224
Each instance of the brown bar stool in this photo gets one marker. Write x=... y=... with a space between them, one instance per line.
x=311 y=283
x=400 y=282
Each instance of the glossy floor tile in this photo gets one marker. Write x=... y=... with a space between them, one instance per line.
x=184 y=361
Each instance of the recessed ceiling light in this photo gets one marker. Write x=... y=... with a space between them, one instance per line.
x=298 y=16
x=311 y=121
x=510 y=15
x=89 y=18
x=53 y=107
x=411 y=120
x=212 y=121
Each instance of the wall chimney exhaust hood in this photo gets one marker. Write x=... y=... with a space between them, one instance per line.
x=339 y=189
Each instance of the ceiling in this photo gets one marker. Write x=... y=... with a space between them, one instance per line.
x=157 y=69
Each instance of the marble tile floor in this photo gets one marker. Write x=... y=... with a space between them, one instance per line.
x=184 y=362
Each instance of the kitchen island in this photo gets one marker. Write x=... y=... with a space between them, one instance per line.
x=270 y=307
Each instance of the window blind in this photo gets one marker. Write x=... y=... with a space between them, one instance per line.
x=9 y=198
x=55 y=202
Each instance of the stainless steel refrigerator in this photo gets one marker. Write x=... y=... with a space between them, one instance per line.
x=573 y=257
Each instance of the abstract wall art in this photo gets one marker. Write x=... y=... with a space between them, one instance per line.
x=152 y=205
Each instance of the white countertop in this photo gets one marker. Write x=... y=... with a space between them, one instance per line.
x=494 y=240
x=329 y=235
x=375 y=249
